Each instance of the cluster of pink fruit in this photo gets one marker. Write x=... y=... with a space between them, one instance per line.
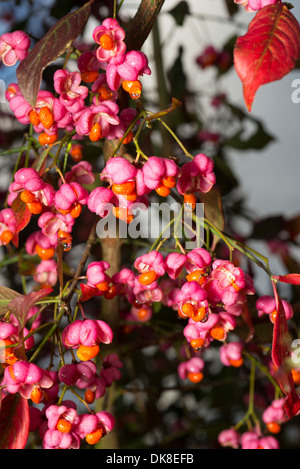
x=208 y=293
x=68 y=109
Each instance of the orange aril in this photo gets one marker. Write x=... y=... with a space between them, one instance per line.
x=236 y=287
x=195 y=377
x=6 y=354
x=104 y=93
x=75 y=210
x=134 y=88
x=89 y=396
x=35 y=207
x=142 y=313
x=273 y=427
x=44 y=254
x=63 y=234
x=131 y=197
x=236 y=363
x=46 y=117
x=89 y=76
x=180 y=314
x=196 y=276
x=197 y=343
x=106 y=42
x=163 y=191
x=169 y=182
x=123 y=214
x=87 y=352
x=94 y=437
x=273 y=316
x=64 y=212
x=76 y=153
x=188 y=309
x=199 y=314
x=217 y=332
x=96 y=132
x=146 y=278
x=126 y=188
x=63 y=426
x=6 y=237
x=102 y=286
x=36 y=395
x=46 y=139
x=296 y=376
x=34 y=117
x=128 y=137
x=27 y=196
x=190 y=201
x=11 y=372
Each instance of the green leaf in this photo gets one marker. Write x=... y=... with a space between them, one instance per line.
x=268 y=228
x=58 y=39
x=6 y=295
x=176 y=75
x=258 y=140
x=232 y=8
x=213 y=209
x=179 y=12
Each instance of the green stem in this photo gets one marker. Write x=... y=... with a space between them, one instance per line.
x=49 y=334
x=132 y=124
x=156 y=242
x=119 y=6
x=264 y=370
x=186 y=152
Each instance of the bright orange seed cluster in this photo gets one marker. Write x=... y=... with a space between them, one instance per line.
x=167 y=184
x=134 y=88
x=85 y=352
x=33 y=204
x=6 y=237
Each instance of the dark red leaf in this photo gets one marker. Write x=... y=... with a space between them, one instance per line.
x=14 y=422
x=268 y=51
x=40 y=161
x=280 y=354
x=57 y=40
x=88 y=292
x=293 y=279
x=21 y=305
x=23 y=217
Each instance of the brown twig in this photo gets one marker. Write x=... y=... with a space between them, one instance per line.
x=141 y=25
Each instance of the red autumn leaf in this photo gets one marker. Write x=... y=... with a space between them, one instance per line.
x=23 y=217
x=293 y=279
x=21 y=305
x=57 y=40
x=14 y=422
x=268 y=51
x=280 y=354
x=88 y=292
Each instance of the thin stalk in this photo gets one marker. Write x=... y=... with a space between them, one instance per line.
x=186 y=152
x=48 y=335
